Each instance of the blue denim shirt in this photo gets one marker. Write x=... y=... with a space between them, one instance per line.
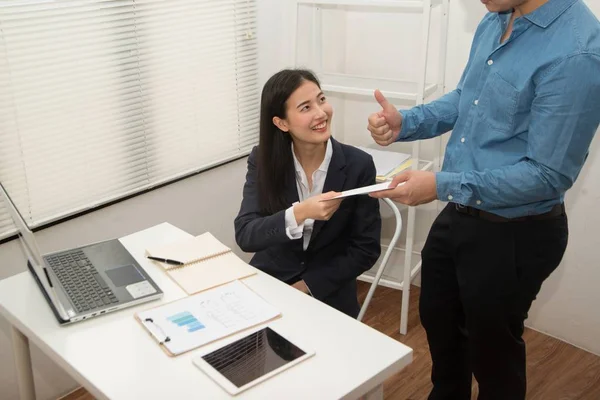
x=524 y=112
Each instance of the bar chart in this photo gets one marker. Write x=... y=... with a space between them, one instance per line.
x=186 y=320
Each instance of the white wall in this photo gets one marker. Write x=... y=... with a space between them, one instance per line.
x=566 y=307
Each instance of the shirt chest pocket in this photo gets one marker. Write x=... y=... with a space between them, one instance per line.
x=497 y=104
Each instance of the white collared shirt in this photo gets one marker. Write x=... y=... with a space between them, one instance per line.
x=292 y=229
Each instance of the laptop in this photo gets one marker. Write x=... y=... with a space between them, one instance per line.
x=84 y=282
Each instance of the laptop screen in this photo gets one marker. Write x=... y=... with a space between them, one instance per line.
x=31 y=248
x=32 y=251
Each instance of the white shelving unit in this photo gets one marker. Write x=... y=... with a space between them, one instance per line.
x=415 y=92
x=392 y=89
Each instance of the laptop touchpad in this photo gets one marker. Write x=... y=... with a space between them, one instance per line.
x=123 y=276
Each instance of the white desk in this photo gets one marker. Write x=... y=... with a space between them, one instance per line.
x=113 y=357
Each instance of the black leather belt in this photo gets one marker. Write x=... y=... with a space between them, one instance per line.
x=556 y=211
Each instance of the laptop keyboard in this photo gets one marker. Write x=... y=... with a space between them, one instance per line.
x=80 y=279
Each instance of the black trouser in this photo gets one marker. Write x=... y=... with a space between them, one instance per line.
x=479 y=279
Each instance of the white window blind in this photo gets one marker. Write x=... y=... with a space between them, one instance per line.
x=102 y=99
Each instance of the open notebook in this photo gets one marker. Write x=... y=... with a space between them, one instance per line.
x=205 y=262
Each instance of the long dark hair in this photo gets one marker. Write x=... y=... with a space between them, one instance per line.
x=274 y=148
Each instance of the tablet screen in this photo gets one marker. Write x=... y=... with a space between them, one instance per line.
x=253 y=356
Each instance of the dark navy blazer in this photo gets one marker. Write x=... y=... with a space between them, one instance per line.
x=339 y=250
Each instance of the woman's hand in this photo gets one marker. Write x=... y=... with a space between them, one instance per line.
x=317 y=207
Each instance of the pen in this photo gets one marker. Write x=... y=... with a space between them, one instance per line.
x=165 y=260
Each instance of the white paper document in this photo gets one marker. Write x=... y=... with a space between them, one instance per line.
x=365 y=190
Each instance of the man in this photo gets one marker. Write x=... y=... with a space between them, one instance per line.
x=523 y=117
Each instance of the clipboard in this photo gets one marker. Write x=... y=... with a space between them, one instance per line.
x=194 y=321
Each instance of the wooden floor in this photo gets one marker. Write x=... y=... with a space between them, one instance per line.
x=555 y=370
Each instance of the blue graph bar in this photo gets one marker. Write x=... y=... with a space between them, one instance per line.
x=195 y=326
x=186 y=319
x=179 y=315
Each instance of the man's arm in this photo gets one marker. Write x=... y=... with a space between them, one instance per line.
x=564 y=119
x=432 y=119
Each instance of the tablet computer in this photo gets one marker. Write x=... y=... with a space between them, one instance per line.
x=250 y=360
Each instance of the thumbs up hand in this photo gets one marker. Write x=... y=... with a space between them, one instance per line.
x=385 y=125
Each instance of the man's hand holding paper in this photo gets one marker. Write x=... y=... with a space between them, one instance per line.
x=411 y=188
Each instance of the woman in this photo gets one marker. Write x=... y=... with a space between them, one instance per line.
x=300 y=235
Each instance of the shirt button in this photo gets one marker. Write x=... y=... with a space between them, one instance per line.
x=490 y=62
x=478 y=202
x=476 y=102
x=462 y=140
x=450 y=197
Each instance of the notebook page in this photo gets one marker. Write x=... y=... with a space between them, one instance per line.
x=212 y=272
x=190 y=249
x=197 y=320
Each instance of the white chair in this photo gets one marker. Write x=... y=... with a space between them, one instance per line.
x=384 y=261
